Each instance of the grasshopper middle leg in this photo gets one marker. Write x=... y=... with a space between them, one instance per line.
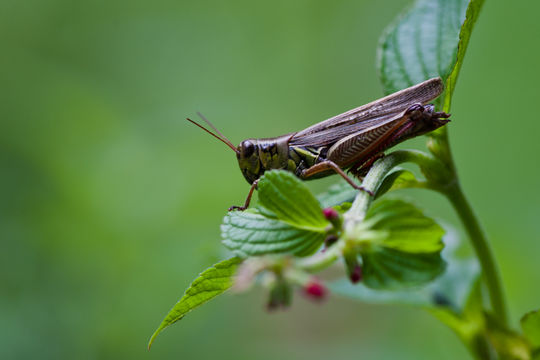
x=330 y=165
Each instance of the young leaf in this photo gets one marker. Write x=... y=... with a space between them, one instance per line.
x=397 y=179
x=337 y=194
x=387 y=268
x=421 y=44
x=209 y=284
x=286 y=196
x=405 y=248
x=450 y=292
x=530 y=323
x=406 y=228
x=250 y=233
x=290 y=221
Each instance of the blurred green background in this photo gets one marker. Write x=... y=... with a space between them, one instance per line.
x=110 y=202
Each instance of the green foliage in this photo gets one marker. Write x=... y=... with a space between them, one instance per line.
x=337 y=194
x=209 y=284
x=404 y=246
x=447 y=292
x=286 y=196
x=530 y=323
x=473 y=11
x=421 y=44
x=397 y=179
x=291 y=220
x=405 y=227
x=399 y=246
x=250 y=233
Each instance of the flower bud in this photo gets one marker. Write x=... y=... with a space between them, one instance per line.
x=353 y=267
x=356 y=274
x=330 y=240
x=315 y=290
x=330 y=214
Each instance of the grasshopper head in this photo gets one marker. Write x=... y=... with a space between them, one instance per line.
x=247 y=154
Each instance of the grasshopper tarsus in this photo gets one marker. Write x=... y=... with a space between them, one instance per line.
x=441 y=114
x=238 y=208
x=367 y=191
x=248 y=198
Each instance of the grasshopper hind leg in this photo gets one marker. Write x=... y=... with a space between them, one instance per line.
x=361 y=169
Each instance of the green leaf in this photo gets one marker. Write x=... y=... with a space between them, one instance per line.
x=473 y=10
x=421 y=44
x=449 y=292
x=387 y=268
x=397 y=179
x=290 y=220
x=530 y=323
x=403 y=246
x=286 y=196
x=337 y=194
x=250 y=233
x=405 y=227
x=209 y=284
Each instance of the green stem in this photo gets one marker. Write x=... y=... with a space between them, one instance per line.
x=440 y=148
x=441 y=174
x=483 y=252
x=371 y=182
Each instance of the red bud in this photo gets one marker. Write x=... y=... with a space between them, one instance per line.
x=315 y=290
x=330 y=214
x=356 y=274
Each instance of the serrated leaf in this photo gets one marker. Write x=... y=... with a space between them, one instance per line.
x=405 y=248
x=289 y=221
x=209 y=284
x=421 y=44
x=530 y=323
x=286 y=196
x=250 y=233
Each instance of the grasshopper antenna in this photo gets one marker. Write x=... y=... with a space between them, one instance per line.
x=215 y=129
x=222 y=138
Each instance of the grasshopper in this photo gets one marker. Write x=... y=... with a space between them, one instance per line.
x=350 y=141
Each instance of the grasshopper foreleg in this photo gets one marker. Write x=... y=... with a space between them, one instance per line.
x=248 y=199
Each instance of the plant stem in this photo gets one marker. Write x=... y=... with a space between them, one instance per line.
x=452 y=190
x=440 y=148
x=483 y=251
x=371 y=182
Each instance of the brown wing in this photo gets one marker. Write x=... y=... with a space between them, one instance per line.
x=350 y=149
x=375 y=113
